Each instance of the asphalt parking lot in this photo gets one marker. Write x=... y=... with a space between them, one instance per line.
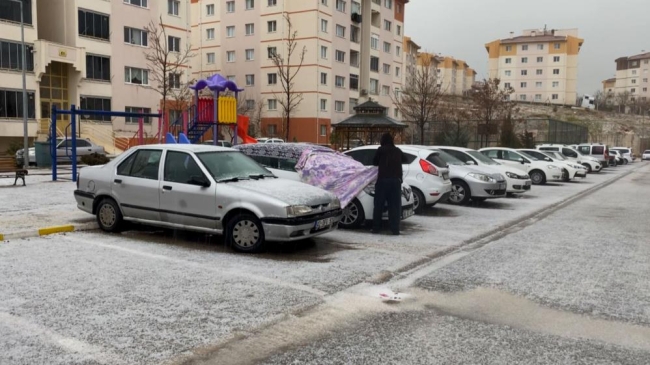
x=154 y=296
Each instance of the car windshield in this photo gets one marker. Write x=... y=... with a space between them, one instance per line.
x=528 y=156
x=556 y=155
x=481 y=158
x=449 y=159
x=646 y=152
x=232 y=166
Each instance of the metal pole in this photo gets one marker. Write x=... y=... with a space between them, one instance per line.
x=53 y=142
x=73 y=124
x=236 y=119
x=215 y=126
x=25 y=109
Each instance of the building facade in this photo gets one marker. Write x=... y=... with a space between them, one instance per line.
x=540 y=65
x=632 y=75
x=354 y=52
x=454 y=76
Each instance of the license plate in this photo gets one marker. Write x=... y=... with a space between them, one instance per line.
x=407 y=213
x=528 y=183
x=323 y=223
x=502 y=186
x=445 y=176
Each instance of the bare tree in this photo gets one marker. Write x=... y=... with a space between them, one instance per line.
x=623 y=101
x=288 y=98
x=454 y=128
x=491 y=103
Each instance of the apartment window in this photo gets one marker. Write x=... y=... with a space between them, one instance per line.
x=340 y=5
x=353 y=103
x=555 y=96
x=209 y=33
x=11 y=56
x=538 y=84
x=230 y=6
x=231 y=77
x=355 y=34
x=340 y=31
x=250 y=29
x=524 y=47
x=272 y=104
x=273 y=2
x=634 y=81
x=388 y=4
x=523 y=85
x=210 y=57
x=386 y=47
x=272 y=26
x=93 y=103
x=633 y=90
x=339 y=81
x=506 y=85
x=508 y=60
x=90 y=24
x=398 y=29
x=538 y=97
x=508 y=48
x=323 y=78
x=340 y=56
x=556 y=59
x=374 y=41
x=250 y=4
x=385 y=90
x=556 y=71
x=522 y=97
x=250 y=80
x=398 y=8
x=97 y=67
x=645 y=89
x=540 y=47
x=323 y=25
x=354 y=58
x=250 y=104
x=323 y=105
x=633 y=72
x=323 y=130
x=524 y=60
x=230 y=56
x=556 y=84
x=136 y=120
x=508 y=73
x=174 y=80
x=557 y=46
x=397 y=71
x=374 y=86
x=387 y=25
x=250 y=54
x=11 y=103
x=135 y=36
x=271 y=51
x=230 y=31
x=271 y=129
x=209 y=10
x=540 y=59
x=386 y=69
x=323 y=52
x=398 y=51
x=645 y=80
x=174 y=44
x=354 y=82
x=140 y=3
x=524 y=72
x=272 y=78
x=539 y=72
x=634 y=63
x=172 y=7
x=324 y=2
x=133 y=75
x=396 y=113
x=374 y=64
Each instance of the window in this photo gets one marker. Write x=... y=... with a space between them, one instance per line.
x=396 y=113
x=557 y=46
x=524 y=47
x=354 y=82
x=387 y=25
x=524 y=72
x=374 y=64
x=230 y=56
x=508 y=60
x=140 y=3
x=386 y=68
x=340 y=56
x=339 y=81
x=172 y=7
x=174 y=44
x=374 y=86
x=209 y=33
x=250 y=54
x=210 y=57
x=174 y=80
x=540 y=59
x=398 y=51
x=323 y=52
x=340 y=31
x=230 y=31
x=397 y=71
x=508 y=48
x=250 y=80
x=250 y=29
x=11 y=56
x=90 y=24
x=135 y=36
x=555 y=96
x=11 y=103
x=136 y=120
x=633 y=72
x=374 y=41
x=143 y=164
x=250 y=4
x=272 y=104
x=556 y=71
x=385 y=90
x=506 y=85
x=323 y=78
x=181 y=168
x=633 y=90
x=645 y=89
x=398 y=30
x=645 y=80
x=250 y=104
x=230 y=6
x=339 y=106
x=271 y=51
x=272 y=2
x=634 y=81
x=538 y=84
x=508 y=73
x=323 y=129
x=556 y=84
x=556 y=58
x=522 y=97
x=324 y=2
x=209 y=10
x=272 y=78
x=355 y=34
x=388 y=4
x=271 y=26
x=524 y=60
x=271 y=129
x=354 y=58
x=323 y=105
x=398 y=93
x=523 y=85
x=323 y=25
x=97 y=67
x=340 y=5
x=134 y=75
x=539 y=72
x=231 y=77
x=386 y=47
x=91 y=103
x=538 y=97
x=540 y=47
x=353 y=103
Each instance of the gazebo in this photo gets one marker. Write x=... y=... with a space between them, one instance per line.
x=366 y=126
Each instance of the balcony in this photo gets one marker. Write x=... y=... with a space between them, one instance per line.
x=46 y=52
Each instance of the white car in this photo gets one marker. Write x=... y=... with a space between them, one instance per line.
x=540 y=171
x=626 y=152
x=645 y=155
x=518 y=182
x=570 y=169
x=590 y=163
x=430 y=183
x=269 y=140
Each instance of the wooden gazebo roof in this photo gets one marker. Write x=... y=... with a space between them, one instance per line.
x=367 y=125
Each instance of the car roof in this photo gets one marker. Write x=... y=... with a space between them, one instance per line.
x=498 y=148
x=280 y=150
x=464 y=149
x=185 y=147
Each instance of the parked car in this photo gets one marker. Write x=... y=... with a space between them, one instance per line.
x=269 y=140
x=220 y=143
x=64 y=150
x=422 y=172
x=620 y=160
x=645 y=155
x=476 y=183
x=207 y=189
x=590 y=163
x=595 y=150
x=540 y=171
x=517 y=181
x=570 y=169
x=626 y=153
x=281 y=159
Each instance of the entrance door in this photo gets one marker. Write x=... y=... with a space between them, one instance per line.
x=54 y=91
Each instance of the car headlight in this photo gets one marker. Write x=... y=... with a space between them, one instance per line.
x=551 y=167
x=579 y=167
x=482 y=177
x=335 y=204
x=298 y=210
x=513 y=176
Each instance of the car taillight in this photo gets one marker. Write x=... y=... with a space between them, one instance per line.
x=428 y=167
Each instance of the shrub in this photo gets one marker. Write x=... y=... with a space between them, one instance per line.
x=94 y=159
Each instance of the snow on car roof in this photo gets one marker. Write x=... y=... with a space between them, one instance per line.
x=283 y=150
x=186 y=147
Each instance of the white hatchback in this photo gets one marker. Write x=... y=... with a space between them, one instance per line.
x=540 y=171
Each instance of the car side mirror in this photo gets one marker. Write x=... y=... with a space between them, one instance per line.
x=470 y=162
x=199 y=181
x=521 y=160
x=548 y=159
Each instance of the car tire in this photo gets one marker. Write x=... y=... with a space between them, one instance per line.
x=353 y=215
x=460 y=193
x=588 y=167
x=419 y=202
x=625 y=162
x=537 y=177
x=245 y=233
x=109 y=216
x=565 y=175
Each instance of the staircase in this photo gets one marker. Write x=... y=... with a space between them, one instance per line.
x=197 y=126
x=101 y=134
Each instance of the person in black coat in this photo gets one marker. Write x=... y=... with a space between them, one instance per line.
x=388 y=189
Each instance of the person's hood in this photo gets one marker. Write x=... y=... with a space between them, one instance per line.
x=386 y=140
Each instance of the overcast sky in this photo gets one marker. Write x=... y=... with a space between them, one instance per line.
x=460 y=28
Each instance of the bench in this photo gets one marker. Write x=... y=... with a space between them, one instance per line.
x=8 y=166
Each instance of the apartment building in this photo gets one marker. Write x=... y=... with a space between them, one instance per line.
x=540 y=65
x=354 y=51
x=609 y=86
x=454 y=76
x=632 y=76
x=86 y=53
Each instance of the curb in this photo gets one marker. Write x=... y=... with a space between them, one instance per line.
x=48 y=230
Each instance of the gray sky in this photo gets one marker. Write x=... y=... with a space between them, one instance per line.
x=460 y=28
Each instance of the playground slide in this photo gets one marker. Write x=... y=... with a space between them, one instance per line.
x=242 y=130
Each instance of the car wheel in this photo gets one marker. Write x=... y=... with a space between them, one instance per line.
x=109 y=216
x=537 y=177
x=245 y=233
x=588 y=167
x=353 y=215
x=419 y=203
x=625 y=162
x=565 y=175
x=460 y=193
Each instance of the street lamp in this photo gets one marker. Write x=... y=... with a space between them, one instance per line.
x=24 y=67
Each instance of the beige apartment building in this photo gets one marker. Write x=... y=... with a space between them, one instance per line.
x=632 y=75
x=454 y=76
x=87 y=53
x=354 y=52
x=540 y=65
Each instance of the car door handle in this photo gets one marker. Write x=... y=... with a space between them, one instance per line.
x=167 y=187
x=117 y=181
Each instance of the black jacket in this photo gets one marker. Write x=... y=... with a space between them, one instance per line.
x=389 y=159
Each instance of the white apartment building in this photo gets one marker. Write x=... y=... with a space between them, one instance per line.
x=632 y=74
x=454 y=76
x=540 y=65
x=354 y=51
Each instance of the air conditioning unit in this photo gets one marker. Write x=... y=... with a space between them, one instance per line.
x=363 y=92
